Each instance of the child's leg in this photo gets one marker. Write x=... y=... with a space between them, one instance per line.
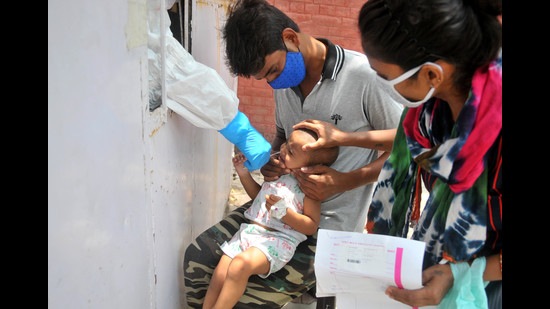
x=203 y=254
x=250 y=262
x=216 y=282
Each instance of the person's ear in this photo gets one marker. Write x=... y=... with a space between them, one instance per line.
x=433 y=74
x=290 y=36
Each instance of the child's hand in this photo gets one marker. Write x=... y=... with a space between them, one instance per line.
x=270 y=200
x=276 y=206
x=238 y=163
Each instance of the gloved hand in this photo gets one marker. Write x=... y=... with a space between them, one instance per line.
x=250 y=142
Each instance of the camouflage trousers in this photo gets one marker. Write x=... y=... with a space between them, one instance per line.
x=202 y=256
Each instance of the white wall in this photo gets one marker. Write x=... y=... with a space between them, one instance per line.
x=128 y=189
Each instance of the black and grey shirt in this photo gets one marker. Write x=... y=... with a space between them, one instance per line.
x=347 y=96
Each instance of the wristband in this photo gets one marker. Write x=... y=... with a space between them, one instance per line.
x=278 y=210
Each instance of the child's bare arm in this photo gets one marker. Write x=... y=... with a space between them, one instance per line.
x=249 y=184
x=306 y=223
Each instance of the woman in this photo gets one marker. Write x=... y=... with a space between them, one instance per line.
x=442 y=60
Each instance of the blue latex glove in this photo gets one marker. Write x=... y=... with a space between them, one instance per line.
x=250 y=142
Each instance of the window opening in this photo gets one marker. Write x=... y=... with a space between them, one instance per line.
x=180 y=25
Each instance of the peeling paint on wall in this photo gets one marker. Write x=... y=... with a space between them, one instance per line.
x=222 y=3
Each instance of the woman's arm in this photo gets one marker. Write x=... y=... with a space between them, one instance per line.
x=493 y=268
x=438 y=280
x=330 y=136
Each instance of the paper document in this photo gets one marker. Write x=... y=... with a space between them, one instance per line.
x=357 y=268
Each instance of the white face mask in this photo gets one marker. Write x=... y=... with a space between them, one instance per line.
x=389 y=86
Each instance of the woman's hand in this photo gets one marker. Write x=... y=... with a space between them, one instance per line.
x=328 y=134
x=437 y=281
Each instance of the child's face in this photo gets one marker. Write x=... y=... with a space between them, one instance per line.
x=292 y=154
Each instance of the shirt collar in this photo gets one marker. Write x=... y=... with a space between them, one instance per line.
x=333 y=61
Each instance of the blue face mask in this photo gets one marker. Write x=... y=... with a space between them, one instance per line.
x=293 y=73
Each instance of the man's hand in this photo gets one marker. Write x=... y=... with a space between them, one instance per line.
x=320 y=182
x=273 y=169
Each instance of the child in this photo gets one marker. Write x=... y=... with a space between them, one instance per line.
x=280 y=218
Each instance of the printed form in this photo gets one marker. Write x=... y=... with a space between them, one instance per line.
x=357 y=268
